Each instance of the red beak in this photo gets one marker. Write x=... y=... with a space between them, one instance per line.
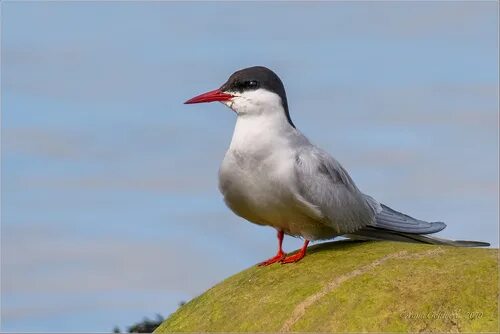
x=212 y=96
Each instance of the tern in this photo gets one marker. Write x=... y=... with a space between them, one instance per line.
x=272 y=175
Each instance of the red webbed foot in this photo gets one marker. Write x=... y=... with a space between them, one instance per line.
x=280 y=255
x=293 y=258
x=277 y=258
x=297 y=256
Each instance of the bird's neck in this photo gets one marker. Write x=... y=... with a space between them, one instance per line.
x=261 y=131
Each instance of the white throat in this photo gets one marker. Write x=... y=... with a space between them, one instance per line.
x=262 y=121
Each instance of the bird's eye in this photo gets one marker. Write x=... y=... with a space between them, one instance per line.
x=251 y=84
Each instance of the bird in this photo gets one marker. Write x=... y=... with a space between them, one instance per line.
x=272 y=175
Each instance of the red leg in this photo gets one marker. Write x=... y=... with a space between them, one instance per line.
x=298 y=256
x=280 y=255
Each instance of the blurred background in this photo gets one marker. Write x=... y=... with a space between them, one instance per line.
x=110 y=207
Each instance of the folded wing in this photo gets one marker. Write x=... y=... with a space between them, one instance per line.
x=325 y=184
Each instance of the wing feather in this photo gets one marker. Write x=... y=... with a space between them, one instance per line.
x=393 y=220
x=326 y=185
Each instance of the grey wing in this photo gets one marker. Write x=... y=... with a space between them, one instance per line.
x=326 y=186
x=393 y=220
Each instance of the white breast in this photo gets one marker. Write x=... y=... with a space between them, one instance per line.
x=257 y=165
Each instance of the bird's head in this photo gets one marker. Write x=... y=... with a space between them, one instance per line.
x=252 y=91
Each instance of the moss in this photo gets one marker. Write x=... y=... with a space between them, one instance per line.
x=413 y=288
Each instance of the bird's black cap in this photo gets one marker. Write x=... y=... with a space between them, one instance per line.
x=256 y=77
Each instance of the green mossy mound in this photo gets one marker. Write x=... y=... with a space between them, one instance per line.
x=348 y=286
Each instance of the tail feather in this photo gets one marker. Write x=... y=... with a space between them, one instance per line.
x=374 y=233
